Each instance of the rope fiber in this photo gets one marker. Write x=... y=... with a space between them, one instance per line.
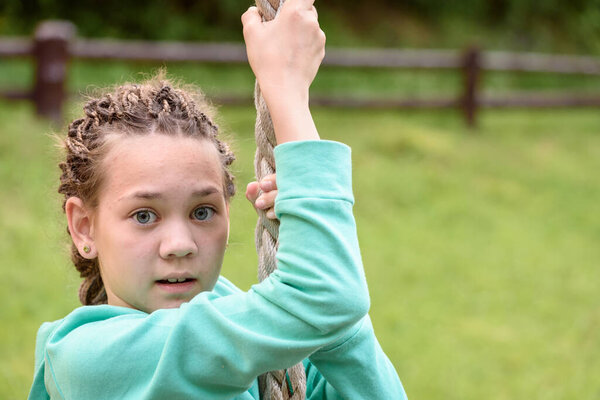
x=291 y=382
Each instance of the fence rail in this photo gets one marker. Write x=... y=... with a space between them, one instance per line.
x=54 y=43
x=15 y=47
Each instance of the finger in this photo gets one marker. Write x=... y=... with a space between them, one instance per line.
x=252 y=192
x=271 y=213
x=250 y=17
x=269 y=183
x=266 y=200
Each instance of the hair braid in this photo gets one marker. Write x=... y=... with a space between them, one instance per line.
x=130 y=109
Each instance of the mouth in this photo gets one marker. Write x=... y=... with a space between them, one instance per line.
x=175 y=280
x=176 y=285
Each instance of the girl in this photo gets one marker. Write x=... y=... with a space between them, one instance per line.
x=147 y=185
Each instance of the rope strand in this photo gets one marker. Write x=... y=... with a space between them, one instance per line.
x=291 y=383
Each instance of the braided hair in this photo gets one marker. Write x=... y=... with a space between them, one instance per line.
x=154 y=106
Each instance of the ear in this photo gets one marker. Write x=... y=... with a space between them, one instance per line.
x=79 y=219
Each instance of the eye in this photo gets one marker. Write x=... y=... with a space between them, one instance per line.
x=203 y=213
x=144 y=217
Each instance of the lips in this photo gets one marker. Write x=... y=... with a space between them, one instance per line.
x=176 y=285
x=174 y=280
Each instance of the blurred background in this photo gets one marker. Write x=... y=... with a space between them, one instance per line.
x=478 y=217
x=552 y=25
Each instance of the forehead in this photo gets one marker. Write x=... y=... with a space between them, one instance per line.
x=161 y=162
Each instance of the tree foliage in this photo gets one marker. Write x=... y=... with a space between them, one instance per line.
x=576 y=21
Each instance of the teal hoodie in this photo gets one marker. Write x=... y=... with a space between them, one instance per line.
x=312 y=309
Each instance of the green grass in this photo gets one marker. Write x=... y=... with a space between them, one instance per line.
x=480 y=248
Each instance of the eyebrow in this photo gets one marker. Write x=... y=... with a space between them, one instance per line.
x=148 y=195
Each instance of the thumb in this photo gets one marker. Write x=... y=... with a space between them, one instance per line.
x=251 y=17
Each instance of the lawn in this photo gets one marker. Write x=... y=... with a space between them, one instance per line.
x=480 y=247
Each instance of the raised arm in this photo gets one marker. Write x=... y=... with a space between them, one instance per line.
x=285 y=55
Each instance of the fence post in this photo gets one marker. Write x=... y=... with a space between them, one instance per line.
x=471 y=76
x=51 y=52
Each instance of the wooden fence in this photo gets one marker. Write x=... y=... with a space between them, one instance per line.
x=54 y=44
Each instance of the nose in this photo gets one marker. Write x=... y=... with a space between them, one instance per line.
x=177 y=241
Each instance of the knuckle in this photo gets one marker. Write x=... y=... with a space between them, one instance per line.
x=248 y=13
x=245 y=17
x=247 y=29
x=311 y=18
x=297 y=16
x=322 y=37
x=313 y=26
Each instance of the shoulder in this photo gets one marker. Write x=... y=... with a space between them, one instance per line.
x=52 y=333
x=83 y=319
x=47 y=328
x=98 y=317
x=101 y=313
x=74 y=330
x=42 y=337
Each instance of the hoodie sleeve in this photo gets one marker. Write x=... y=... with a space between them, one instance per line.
x=38 y=388
x=355 y=367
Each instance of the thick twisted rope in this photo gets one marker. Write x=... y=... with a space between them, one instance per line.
x=290 y=383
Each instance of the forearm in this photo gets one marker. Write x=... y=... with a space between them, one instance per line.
x=320 y=277
x=290 y=113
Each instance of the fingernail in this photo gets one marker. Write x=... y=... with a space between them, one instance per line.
x=260 y=203
x=271 y=214
x=266 y=184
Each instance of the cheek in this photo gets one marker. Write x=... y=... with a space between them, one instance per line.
x=121 y=242
x=216 y=242
x=138 y=246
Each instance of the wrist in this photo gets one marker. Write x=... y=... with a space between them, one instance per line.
x=281 y=96
x=292 y=121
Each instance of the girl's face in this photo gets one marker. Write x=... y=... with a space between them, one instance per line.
x=162 y=221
